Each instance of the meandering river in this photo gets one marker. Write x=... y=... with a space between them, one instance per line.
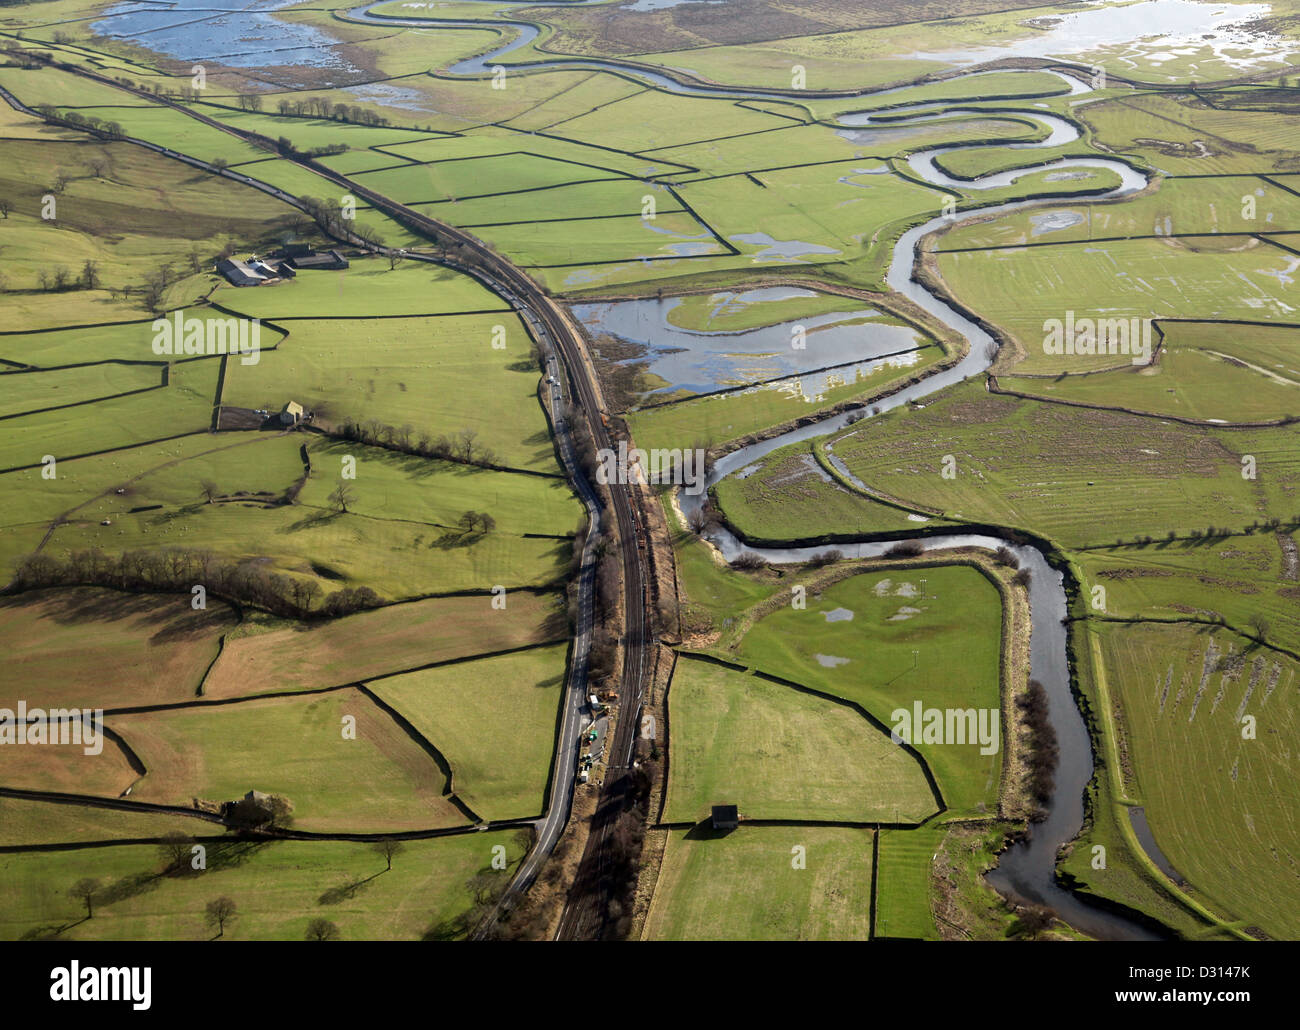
x=1026 y=871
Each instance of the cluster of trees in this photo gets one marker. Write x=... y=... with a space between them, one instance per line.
x=906 y=549
x=330 y=218
x=323 y=107
x=77 y=120
x=1044 y=751
x=58 y=278
x=462 y=446
x=477 y=520
x=178 y=570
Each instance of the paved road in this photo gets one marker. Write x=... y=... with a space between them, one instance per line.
x=562 y=346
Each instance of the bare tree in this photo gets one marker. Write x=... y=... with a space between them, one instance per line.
x=322 y=930
x=209 y=490
x=388 y=848
x=84 y=890
x=219 y=912
x=341 y=497
x=174 y=848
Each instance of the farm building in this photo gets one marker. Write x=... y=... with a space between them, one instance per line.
x=320 y=259
x=240 y=273
x=291 y=414
x=255 y=271
x=725 y=817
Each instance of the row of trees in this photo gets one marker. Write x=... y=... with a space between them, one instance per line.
x=178 y=570
x=461 y=446
x=77 y=120
x=323 y=107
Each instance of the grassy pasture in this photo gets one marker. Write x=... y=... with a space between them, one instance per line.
x=22 y=392
x=396 y=559
x=1185 y=475
x=710 y=592
x=903 y=883
x=1216 y=803
x=43 y=822
x=590 y=241
x=92 y=648
x=278 y=887
x=437 y=493
x=121 y=206
x=654 y=120
x=368 y=287
x=477 y=177
x=742 y=886
x=380 y=781
x=589 y=200
x=792 y=497
x=1201 y=278
x=396 y=638
x=494 y=721
x=124 y=341
x=779 y=753
x=185 y=406
x=937 y=642
x=437 y=375
x=84 y=490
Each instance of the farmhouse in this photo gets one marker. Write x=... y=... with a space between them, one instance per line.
x=725 y=817
x=291 y=414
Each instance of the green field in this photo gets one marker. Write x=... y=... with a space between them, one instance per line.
x=1215 y=798
x=779 y=753
x=493 y=720
x=742 y=886
x=278 y=889
x=886 y=640
x=380 y=781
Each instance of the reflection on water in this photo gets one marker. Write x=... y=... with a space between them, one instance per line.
x=837 y=347
x=192 y=30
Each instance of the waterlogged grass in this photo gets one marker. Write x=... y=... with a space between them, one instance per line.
x=789 y=495
x=1233 y=204
x=1207 y=384
x=744 y=885
x=710 y=421
x=278 y=888
x=779 y=753
x=887 y=640
x=1188 y=476
x=493 y=720
x=1213 y=795
x=1202 y=278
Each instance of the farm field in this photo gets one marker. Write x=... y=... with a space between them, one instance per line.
x=780 y=753
x=279 y=887
x=494 y=721
x=377 y=780
x=359 y=571
x=886 y=640
x=1213 y=796
x=742 y=886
